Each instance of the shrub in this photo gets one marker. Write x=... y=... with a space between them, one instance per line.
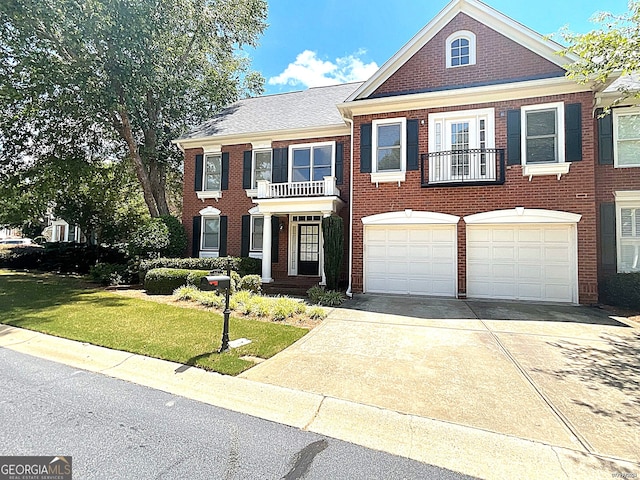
x=163 y=281
x=251 y=283
x=249 y=266
x=622 y=290
x=177 y=237
x=186 y=292
x=189 y=264
x=109 y=273
x=235 y=281
x=317 y=313
x=328 y=298
x=332 y=232
x=150 y=239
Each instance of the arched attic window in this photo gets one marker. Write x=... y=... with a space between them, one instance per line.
x=461 y=49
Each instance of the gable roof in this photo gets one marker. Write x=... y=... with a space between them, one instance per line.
x=314 y=108
x=478 y=11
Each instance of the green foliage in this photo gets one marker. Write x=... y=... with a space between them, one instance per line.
x=317 y=313
x=608 y=50
x=235 y=281
x=329 y=298
x=192 y=264
x=159 y=237
x=252 y=283
x=177 y=237
x=121 y=79
x=622 y=290
x=109 y=273
x=163 y=281
x=333 y=235
x=249 y=266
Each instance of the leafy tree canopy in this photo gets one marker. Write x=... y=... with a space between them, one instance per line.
x=609 y=50
x=119 y=79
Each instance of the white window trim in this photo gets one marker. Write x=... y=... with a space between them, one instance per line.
x=618 y=112
x=388 y=175
x=206 y=194
x=251 y=246
x=558 y=168
x=253 y=165
x=488 y=114
x=209 y=252
x=624 y=199
x=311 y=146
x=467 y=35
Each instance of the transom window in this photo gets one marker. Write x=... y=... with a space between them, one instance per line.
x=626 y=123
x=210 y=233
x=312 y=162
x=257 y=228
x=389 y=143
x=461 y=49
x=543 y=133
x=213 y=172
x=261 y=166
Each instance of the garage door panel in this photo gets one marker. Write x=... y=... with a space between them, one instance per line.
x=538 y=263
x=414 y=259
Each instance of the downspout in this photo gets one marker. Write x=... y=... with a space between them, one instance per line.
x=349 y=292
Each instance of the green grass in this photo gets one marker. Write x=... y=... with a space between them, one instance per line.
x=67 y=307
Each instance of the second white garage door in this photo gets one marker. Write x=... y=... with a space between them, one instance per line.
x=410 y=259
x=523 y=262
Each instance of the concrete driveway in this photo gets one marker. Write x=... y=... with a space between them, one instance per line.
x=562 y=375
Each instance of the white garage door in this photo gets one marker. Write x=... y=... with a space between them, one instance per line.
x=523 y=262
x=410 y=259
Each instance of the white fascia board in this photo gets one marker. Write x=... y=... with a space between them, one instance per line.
x=271 y=135
x=480 y=12
x=275 y=206
x=410 y=217
x=463 y=96
x=522 y=215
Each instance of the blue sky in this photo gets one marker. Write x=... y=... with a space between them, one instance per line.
x=311 y=43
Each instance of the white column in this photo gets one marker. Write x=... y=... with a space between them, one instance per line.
x=266 y=249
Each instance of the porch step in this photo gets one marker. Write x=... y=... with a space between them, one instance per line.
x=293 y=286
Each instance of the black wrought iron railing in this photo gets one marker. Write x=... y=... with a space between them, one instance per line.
x=479 y=166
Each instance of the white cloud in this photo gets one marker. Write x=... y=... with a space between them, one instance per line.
x=310 y=71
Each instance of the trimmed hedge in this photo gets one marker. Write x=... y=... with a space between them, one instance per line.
x=163 y=281
x=242 y=265
x=622 y=290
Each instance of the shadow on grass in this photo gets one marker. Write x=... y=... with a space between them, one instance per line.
x=193 y=361
x=611 y=365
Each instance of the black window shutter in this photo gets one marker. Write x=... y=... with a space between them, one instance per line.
x=573 y=132
x=199 y=169
x=222 y=251
x=246 y=234
x=195 y=250
x=339 y=163
x=275 y=235
x=513 y=137
x=224 y=183
x=246 y=169
x=280 y=171
x=365 y=148
x=608 y=254
x=605 y=139
x=412 y=144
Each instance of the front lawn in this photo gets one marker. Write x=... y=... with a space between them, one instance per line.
x=66 y=307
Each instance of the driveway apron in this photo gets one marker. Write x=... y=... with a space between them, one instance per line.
x=558 y=374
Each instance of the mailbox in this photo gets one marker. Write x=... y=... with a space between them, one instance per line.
x=215 y=282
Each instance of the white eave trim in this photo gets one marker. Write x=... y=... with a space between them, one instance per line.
x=263 y=137
x=480 y=12
x=327 y=204
x=463 y=96
x=522 y=215
x=209 y=212
x=410 y=217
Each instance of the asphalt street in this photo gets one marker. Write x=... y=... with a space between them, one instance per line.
x=115 y=429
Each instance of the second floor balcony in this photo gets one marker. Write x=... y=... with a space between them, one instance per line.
x=314 y=188
x=482 y=166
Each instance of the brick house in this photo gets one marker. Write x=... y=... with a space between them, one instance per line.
x=467 y=166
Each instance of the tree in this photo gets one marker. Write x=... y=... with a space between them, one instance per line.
x=118 y=79
x=607 y=51
x=333 y=235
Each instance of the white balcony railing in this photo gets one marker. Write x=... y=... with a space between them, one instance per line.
x=315 y=188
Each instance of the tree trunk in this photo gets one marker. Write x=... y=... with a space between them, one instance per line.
x=141 y=172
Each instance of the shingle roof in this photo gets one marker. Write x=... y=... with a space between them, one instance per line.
x=315 y=107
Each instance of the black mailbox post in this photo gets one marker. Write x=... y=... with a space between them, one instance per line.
x=220 y=282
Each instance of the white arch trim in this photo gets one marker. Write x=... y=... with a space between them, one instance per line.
x=522 y=215
x=410 y=217
x=210 y=211
x=254 y=211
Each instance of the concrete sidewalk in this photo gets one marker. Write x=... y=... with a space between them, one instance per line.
x=470 y=450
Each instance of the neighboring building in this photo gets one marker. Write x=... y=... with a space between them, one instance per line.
x=6 y=232
x=468 y=166
x=61 y=231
